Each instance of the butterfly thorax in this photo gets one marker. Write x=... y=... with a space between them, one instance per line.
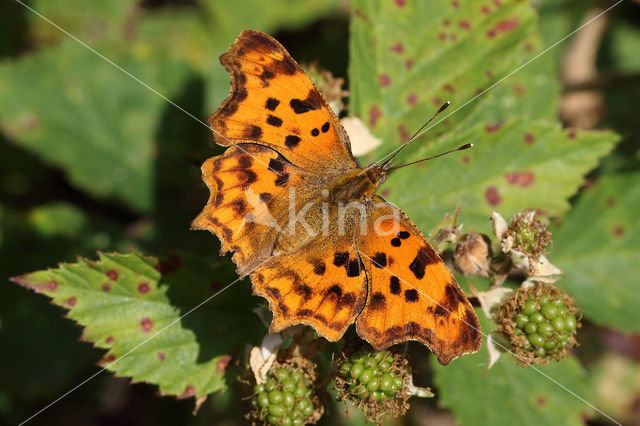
x=354 y=184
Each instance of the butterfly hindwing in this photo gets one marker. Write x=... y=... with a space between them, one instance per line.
x=274 y=103
x=411 y=293
x=323 y=286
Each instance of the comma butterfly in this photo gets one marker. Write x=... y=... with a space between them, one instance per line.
x=304 y=221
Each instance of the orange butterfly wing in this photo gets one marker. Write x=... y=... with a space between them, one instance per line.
x=274 y=103
x=273 y=115
x=411 y=293
x=248 y=197
x=283 y=134
x=311 y=287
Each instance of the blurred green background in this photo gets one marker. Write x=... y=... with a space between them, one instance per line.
x=91 y=160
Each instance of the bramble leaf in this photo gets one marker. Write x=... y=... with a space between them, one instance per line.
x=410 y=57
x=139 y=309
x=598 y=247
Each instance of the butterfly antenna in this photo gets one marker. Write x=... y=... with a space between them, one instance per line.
x=460 y=148
x=400 y=148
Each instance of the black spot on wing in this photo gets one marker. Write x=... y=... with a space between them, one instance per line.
x=291 y=141
x=286 y=66
x=354 y=268
x=411 y=295
x=335 y=290
x=282 y=179
x=252 y=132
x=311 y=103
x=273 y=292
x=265 y=196
x=379 y=260
x=348 y=300
x=403 y=235
x=420 y=262
x=396 y=242
x=275 y=165
x=319 y=268
x=247 y=176
x=315 y=132
x=274 y=121
x=245 y=161
x=265 y=78
x=340 y=258
x=394 y=285
x=441 y=312
x=304 y=291
x=271 y=104
x=378 y=301
x=283 y=308
x=238 y=206
x=325 y=127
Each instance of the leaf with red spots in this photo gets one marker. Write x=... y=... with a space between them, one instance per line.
x=598 y=248
x=517 y=165
x=132 y=306
x=521 y=158
x=508 y=391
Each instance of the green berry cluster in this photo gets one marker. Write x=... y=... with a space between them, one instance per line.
x=541 y=324
x=546 y=325
x=369 y=376
x=286 y=398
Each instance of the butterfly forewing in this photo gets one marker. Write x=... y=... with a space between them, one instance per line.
x=274 y=103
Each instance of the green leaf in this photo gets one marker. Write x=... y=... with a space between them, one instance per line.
x=509 y=391
x=200 y=36
x=100 y=126
x=598 y=247
x=409 y=57
x=504 y=172
x=89 y=21
x=31 y=239
x=87 y=117
x=132 y=305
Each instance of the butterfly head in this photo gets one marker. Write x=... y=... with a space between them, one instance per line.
x=377 y=173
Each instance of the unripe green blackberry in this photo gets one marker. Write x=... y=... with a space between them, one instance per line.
x=540 y=322
x=287 y=397
x=374 y=382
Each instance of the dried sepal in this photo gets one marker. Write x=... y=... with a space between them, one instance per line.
x=262 y=357
x=497 y=344
x=491 y=300
x=472 y=255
